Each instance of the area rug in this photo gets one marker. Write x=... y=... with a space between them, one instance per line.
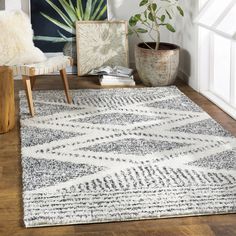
x=123 y=154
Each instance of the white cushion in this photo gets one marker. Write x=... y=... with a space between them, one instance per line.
x=16 y=40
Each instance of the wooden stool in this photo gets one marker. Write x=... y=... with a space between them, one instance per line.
x=30 y=71
x=7 y=102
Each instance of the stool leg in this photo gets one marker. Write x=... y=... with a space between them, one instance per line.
x=26 y=81
x=32 y=81
x=65 y=84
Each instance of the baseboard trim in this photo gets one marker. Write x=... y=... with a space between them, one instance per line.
x=220 y=103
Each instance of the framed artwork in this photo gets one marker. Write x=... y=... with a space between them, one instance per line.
x=101 y=43
x=54 y=22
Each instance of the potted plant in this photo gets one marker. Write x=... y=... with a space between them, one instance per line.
x=69 y=12
x=157 y=63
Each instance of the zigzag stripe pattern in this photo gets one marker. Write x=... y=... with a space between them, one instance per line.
x=123 y=154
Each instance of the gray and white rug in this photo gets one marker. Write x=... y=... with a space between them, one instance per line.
x=123 y=154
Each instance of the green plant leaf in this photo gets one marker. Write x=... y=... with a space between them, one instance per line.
x=101 y=13
x=170 y=28
x=143 y=2
x=88 y=10
x=98 y=13
x=60 y=13
x=80 y=11
x=63 y=36
x=181 y=12
x=94 y=2
x=59 y=24
x=152 y=6
x=151 y=17
x=141 y=30
x=163 y=17
x=49 y=39
x=138 y=16
x=169 y=15
x=70 y=11
x=133 y=21
x=71 y=5
x=145 y=14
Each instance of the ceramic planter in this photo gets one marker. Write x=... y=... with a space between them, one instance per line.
x=157 y=68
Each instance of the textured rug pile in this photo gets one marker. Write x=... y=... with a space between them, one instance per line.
x=123 y=154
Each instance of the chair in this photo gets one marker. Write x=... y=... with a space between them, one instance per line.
x=31 y=71
x=19 y=53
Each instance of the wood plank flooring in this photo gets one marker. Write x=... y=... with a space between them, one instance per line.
x=11 y=222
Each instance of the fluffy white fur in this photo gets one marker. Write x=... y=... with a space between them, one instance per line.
x=16 y=40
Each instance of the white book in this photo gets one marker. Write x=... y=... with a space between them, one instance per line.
x=113 y=71
x=117 y=83
x=116 y=78
x=123 y=70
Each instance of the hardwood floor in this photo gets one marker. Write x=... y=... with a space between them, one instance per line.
x=11 y=222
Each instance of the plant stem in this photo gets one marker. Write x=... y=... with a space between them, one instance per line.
x=143 y=41
x=158 y=40
x=156 y=26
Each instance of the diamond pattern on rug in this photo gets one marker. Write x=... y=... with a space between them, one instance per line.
x=44 y=135
x=123 y=154
x=223 y=160
x=118 y=118
x=43 y=173
x=133 y=146
x=208 y=127
x=179 y=103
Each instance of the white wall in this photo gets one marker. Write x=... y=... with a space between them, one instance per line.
x=185 y=36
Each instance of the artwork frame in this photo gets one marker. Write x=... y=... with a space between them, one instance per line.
x=92 y=38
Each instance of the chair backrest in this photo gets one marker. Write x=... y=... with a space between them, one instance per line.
x=16 y=40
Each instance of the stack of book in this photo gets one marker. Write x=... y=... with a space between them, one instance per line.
x=117 y=76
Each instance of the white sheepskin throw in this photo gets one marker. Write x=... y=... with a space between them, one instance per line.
x=16 y=40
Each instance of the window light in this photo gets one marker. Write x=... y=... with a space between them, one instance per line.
x=219 y=17
x=228 y=24
x=221 y=68
x=212 y=11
